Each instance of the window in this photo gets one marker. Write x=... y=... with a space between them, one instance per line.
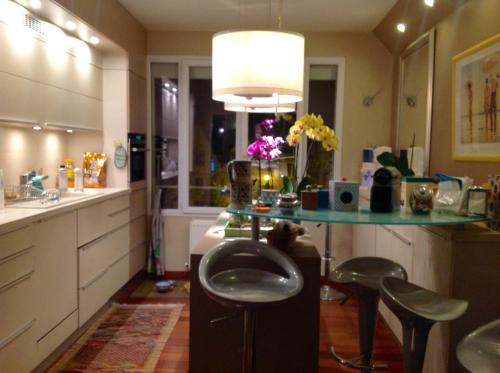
x=194 y=137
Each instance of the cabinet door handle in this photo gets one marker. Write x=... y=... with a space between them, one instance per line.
x=93 y=242
x=402 y=238
x=17 y=333
x=118 y=212
x=386 y=228
x=94 y=279
x=16 y=255
x=16 y=281
x=117 y=260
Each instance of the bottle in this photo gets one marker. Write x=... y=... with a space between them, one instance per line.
x=68 y=162
x=63 y=178
x=2 y=191
x=78 y=180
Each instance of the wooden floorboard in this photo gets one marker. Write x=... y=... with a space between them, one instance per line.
x=338 y=326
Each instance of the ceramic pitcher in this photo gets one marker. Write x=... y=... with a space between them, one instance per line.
x=240 y=177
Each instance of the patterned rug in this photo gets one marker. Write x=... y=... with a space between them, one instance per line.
x=127 y=338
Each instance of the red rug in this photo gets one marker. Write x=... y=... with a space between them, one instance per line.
x=127 y=338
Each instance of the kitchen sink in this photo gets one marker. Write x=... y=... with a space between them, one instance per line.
x=65 y=198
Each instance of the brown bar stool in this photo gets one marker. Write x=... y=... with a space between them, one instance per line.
x=363 y=275
x=249 y=288
x=417 y=309
x=479 y=351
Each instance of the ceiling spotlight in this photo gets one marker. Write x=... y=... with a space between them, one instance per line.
x=35 y=4
x=70 y=25
x=174 y=89
x=69 y=130
x=401 y=27
x=166 y=85
x=94 y=40
x=221 y=130
x=429 y=2
x=37 y=128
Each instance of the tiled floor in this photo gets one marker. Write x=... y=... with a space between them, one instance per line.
x=338 y=326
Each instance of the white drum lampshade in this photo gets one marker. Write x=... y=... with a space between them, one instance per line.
x=256 y=68
x=263 y=108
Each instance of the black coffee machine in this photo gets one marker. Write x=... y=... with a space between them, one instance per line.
x=385 y=194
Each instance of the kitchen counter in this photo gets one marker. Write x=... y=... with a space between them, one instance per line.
x=13 y=217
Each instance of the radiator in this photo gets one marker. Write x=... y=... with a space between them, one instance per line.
x=197 y=229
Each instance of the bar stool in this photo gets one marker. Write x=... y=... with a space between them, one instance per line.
x=249 y=288
x=480 y=350
x=417 y=309
x=363 y=275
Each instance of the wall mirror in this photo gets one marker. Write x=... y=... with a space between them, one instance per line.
x=416 y=76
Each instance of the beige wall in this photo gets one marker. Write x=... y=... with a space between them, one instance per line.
x=368 y=69
x=466 y=26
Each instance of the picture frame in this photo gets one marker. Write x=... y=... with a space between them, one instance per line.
x=476 y=102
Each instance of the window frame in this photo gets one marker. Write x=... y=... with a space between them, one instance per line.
x=184 y=63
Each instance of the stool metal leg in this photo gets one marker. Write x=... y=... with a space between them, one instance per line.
x=248 y=342
x=415 y=333
x=367 y=318
x=327 y=293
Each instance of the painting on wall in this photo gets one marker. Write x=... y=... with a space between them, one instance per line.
x=476 y=102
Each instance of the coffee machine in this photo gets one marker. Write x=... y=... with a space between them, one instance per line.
x=385 y=193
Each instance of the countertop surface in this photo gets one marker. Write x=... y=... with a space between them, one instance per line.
x=13 y=217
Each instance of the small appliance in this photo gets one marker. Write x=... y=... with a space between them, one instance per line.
x=386 y=190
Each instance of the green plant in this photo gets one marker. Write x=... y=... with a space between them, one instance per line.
x=401 y=163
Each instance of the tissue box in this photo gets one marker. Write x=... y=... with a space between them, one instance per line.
x=408 y=184
x=344 y=195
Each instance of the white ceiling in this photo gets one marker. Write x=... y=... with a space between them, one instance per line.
x=298 y=15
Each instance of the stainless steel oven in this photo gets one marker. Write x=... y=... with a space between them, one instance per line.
x=137 y=156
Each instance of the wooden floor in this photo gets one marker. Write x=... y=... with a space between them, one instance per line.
x=338 y=326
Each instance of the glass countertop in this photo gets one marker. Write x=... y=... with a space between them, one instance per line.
x=363 y=216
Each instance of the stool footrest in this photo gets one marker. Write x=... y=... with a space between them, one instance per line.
x=352 y=362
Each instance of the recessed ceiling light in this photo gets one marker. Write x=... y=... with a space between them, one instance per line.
x=37 y=128
x=36 y=4
x=69 y=130
x=401 y=27
x=166 y=85
x=94 y=40
x=429 y=2
x=70 y=25
x=174 y=89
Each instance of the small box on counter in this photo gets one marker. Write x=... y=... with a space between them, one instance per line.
x=408 y=184
x=344 y=195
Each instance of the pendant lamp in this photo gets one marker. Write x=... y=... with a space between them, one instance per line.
x=257 y=68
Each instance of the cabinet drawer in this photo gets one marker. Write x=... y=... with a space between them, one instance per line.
x=118 y=274
x=92 y=222
x=138 y=203
x=137 y=259
x=16 y=306
x=118 y=203
x=92 y=296
x=117 y=218
x=58 y=335
x=17 y=352
x=101 y=253
x=15 y=241
x=16 y=266
x=137 y=231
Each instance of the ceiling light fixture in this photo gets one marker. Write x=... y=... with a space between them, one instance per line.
x=35 y=4
x=94 y=40
x=245 y=70
x=70 y=25
x=69 y=130
x=429 y=3
x=401 y=27
x=37 y=128
x=262 y=108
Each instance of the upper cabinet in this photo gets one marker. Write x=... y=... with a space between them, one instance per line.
x=47 y=82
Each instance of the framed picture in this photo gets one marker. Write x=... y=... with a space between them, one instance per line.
x=476 y=102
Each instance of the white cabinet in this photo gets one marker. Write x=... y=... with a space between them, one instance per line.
x=55 y=274
x=363 y=240
x=17 y=306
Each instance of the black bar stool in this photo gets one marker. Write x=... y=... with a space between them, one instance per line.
x=417 y=309
x=363 y=275
x=479 y=351
x=249 y=288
